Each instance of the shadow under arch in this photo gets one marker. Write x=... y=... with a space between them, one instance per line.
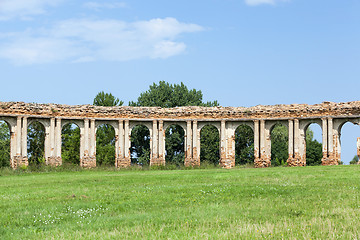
x=140 y=145
x=105 y=145
x=4 y=144
x=70 y=144
x=175 y=144
x=244 y=145
x=279 y=135
x=210 y=144
x=36 y=143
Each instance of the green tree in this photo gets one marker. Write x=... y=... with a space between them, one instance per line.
x=70 y=144
x=36 y=141
x=355 y=160
x=4 y=145
x=313 y=149
x=107 y=100
x=165 y=95
x=174 y=144
x=244 y=145
x=279 y=145
x=105 y=145
x=209 y=142
x=105 y=134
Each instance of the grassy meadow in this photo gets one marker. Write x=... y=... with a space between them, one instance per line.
x=242 y=203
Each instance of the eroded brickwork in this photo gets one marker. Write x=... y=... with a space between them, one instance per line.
x=330 y=115
x=88 y=162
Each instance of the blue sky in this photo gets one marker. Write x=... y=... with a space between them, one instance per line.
x=239 y=52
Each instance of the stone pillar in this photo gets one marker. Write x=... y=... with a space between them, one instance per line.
x=127 y=144
x=300 y=157
x=324 y=139
x=329 y=156
x=291 y=160
x=117 y=143
x=295 y=140
x=92 y=147
x=24 y=132
x=265 y=147
x=224 y=162
x=256 y=141
x=123 y=158
x=82 y=143
x=154 y=156
x=47 y=146
x=18 y=159
x=358 y=148
x=188 y=146
x=12 y=145
x=50 y=147
x=58 y=159
x=87 y=145
x=161 y=143
x=196 y=145
x=230 y=144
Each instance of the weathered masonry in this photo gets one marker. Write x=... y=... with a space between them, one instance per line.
x=296 y=117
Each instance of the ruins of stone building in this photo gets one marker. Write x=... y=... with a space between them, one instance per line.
x=296 y=117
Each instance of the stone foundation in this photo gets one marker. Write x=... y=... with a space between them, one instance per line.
x=88 y=162
x=54 y=161
x=262 y=162
x=329 y=161
x=296 y=162
x=122 y=162
x=190 y=162
x=227 y=163
x=19 y=161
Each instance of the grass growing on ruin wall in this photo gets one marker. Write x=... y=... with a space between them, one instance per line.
x=275 y=203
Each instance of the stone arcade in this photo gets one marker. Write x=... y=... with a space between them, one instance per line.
x=296 y=117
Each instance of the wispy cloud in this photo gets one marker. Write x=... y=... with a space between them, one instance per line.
x=259 y=2
x=102 y=5
x=82 y=40
x=24 y=8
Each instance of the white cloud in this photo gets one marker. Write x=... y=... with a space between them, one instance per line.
x=98 y=6
x=81 y=40
x=24 y=8
x=259 y=2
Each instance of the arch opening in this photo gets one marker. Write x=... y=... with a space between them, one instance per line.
x=70 y=144
x=4 y=144
x=140 y=145
x=244 y=145
x=347 y=146
x=210 y=145
x=174 y=145
x=105 y=145
x=313 y=145
x=279 y=136
x=36 y=143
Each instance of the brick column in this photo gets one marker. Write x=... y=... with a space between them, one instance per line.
x=87 y=145
x=196 y=145
x=188 y=144
x=265 y=147
x=161 y=143
x=224 y=162
x=50 y=144
x=358 y=148
x=19 y=145
x=329 y=156
x=58 y=129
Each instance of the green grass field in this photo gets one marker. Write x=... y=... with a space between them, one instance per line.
x=242 y=203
